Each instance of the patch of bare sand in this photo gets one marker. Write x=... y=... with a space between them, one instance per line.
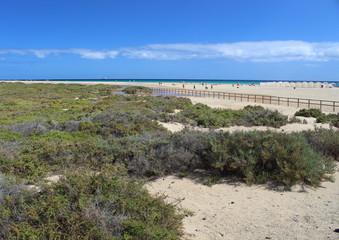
x=172 y=126
x=288 y=128
x=233 y=210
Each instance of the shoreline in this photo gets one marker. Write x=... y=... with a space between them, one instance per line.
x=328 y=94
x=324 y=94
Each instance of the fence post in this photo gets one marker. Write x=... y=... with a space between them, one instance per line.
x=298 y=102
x=333 y=106
x=288 y=102
x=255 y=98
x=321 y=105
x=309 y=103
x=241 y=97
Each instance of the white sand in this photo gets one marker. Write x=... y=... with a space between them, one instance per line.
x=232 y=210
x=288 y=128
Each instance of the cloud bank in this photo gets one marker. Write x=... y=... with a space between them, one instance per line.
x=83 y=53
x=264 y=51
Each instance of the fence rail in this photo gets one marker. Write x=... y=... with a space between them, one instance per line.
x=325 y=105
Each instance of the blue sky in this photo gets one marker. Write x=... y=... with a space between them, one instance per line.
x=211 y=39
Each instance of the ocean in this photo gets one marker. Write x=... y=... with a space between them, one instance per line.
x=209 y=81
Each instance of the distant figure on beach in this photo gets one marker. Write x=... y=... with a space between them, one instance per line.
x=194 y=86
x=206 y=87
x=183 y=86
x=211 y=86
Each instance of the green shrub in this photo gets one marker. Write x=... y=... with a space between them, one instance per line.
x=325 y=141
x=259 y=116
x=124 y=121
x=249 y=116
x=137 y=90
x=266 y=156
x=333 y=119
x=312 y=112
x=160 y=153
x=166 y=104
x=87 y=206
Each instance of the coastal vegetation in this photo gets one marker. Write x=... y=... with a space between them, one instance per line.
x=106 y=145
x=205 y=116
x=321 y=117
x=137 y=90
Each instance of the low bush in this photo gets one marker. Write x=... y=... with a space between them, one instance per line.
x=266 y=156
x=333 y=119
x=325 y=141
x=127 y=121
x=321 y=117
x=259 y=116
x=312 y=112
x=249 y=116
x=137 y=90
x=166 y=104
x=257 y=157
x=87 y=206
x=160 y=153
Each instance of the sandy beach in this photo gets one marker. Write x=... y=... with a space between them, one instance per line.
x=232 y=210
x=330 y=94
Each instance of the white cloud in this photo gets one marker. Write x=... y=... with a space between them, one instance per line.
x=94 y=54
x=84 y=53
x=265 y=51
x=269 y=51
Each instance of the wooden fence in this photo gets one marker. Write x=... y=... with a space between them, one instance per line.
x=325 y=105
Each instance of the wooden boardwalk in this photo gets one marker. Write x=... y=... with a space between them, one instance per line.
x=324 y=105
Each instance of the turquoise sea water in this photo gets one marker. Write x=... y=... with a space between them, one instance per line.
x=209 y=81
